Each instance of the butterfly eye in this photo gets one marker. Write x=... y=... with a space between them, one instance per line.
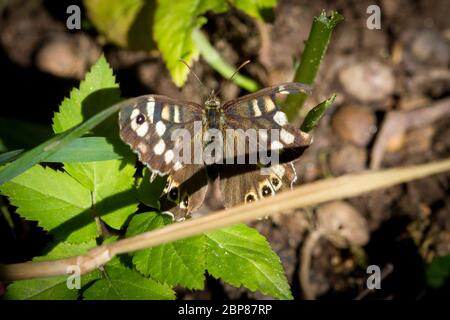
x=173 y=194
x=266 y=191
x=140 y=119
x=249 y=198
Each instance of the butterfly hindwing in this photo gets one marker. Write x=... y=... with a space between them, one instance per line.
x=185 y=191
x=247 y=183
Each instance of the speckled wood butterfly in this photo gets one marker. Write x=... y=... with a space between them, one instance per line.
x=148 y=125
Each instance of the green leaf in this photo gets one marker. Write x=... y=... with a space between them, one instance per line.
x=259 y=9
x=55 y=200
x=88 y=149
x=241 y=256
x=49 y=147
x=111 y=185
x=54 y=288
x=9 y=156
x=125 y=284
x=315 y=114
x=62 y=250
x=127 y=23
x=97 y=91
x=150 y=192
x=174 y=23
x=438 y=271
x=181 y=262
x=106 y=179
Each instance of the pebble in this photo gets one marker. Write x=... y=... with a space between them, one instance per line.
x=368 y=81
x=356 y=124
x=347 y=159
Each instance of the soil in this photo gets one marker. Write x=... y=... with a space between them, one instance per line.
x=403 y=67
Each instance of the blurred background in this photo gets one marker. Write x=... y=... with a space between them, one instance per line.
x=392 y=109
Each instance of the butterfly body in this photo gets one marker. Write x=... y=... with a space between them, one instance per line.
x=152 y=123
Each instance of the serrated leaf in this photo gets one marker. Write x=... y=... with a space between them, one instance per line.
x=125 y=284
x=150 y=192
x=174 y=23
x=53 y=199
x=438 y=271
x=112 y=180
x=56 y=143
x=241 y=256
x=111 y=186
x=181 y=262
x=256 y=8
x=126 y=23
x=97 y=91
x=62 y=250
x=54 y=288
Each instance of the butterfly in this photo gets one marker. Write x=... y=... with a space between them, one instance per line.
x=148 y=123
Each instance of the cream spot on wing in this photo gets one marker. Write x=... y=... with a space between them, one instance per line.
x=276 y=145
x=151 y=108
x=134 y=114
x=160 y=128
x=268 y=104
x=159 y=147
x=165 y=113
x=177 y=166
x=142 y=130
x=256 y=110
x=168 y=156
x=176 y=114
x=280 y=118
x=286 y=136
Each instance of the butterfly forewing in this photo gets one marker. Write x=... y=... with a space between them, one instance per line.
x=149 y=125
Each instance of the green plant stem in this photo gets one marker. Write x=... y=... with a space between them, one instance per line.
x=312 y=56
x=210 y=54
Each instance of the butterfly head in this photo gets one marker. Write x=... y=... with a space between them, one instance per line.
x=213 y=101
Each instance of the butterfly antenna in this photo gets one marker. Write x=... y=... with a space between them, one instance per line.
x=195 y=75
x=239 y=68
x=236 y=72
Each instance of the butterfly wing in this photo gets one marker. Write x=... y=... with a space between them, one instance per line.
x=246 y=182
x=158 y=128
